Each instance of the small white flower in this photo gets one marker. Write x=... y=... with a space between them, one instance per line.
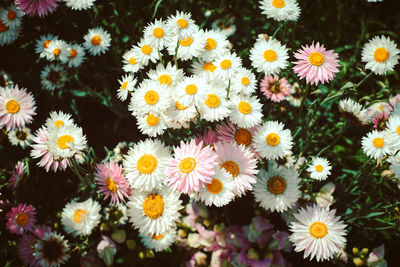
x=245 y=111
x=319 y=169
x=281 y=10
x=127 y=84
x=97 y=41
x=375 y=145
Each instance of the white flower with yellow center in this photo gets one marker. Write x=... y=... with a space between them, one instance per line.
x=58 y=120
x=376 y=145
x=145 y=163
x=145 y=52
x=65 y=142
x=131 y=62
x=380 y=55
x=203 y=69
x=79 y=4
x=318 y=232
x=97 y=41
x=154 y=212
x=191 y=91
x=151 y=96
x=42 y=43
x=152 y=124
x=179 y=115
x=181 y=25
x=126 y=85
x=158 y=34
x=57 y=49
x=168 y=75
x=216 y=44
x=215 y=106
x=245 y=111
x=277 y=189
x=280 y=9
x=159 y=242
x=187 y=47
x=227 y=66
x=11 y=17
x=272 y=141
x=76 y=55
x=244 y=82
x=319 y=169
x=393 y=131
x=79 y=218
x=269 y=56
x=353 y=111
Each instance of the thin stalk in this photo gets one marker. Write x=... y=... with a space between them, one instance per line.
x=176 y=54
x=303 y=100
x=228 y=89
x=363 y=80
x=277 y=30
x=334 y=140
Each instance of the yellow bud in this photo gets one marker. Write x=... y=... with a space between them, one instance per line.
x=357 y=261
x=355 y=250
x=364 y=251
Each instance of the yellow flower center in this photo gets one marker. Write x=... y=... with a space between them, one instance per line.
x=111 y=185
x=59 y=123
x=276 y=185
x=72 y=53
x=398 y=130
x=12 y=106
x=381 y=54
x=244 y=107
x=165 y=79
x=378 y=142
x=152 y=120
x=212 y=101
x=186 y=42
x=132 y=61
x=182 y=23
x=158 y=32
x=187 y=165
x=11 y=15
x=231 y=167
x=151 y=97
x=316 y=58
x=215 y=187
x=319 y=168
x=245 y=81
x=157 y=237
x=124 y=85
x=272 y=139
x=46 y=43
x=146 y=164
x=96 y=40
x=243 y=137
x=64 y=140
x=22 y=219
x=153 y=206
x=146 y=49
x=179 y=106
x=210 y=44
x=270 y=55
x=209 y=66
x=278 y=3
x=318 y=229
x=78 y=215
x=191 y=89
x=3 y=27
x=57 y=51
x=226 y=64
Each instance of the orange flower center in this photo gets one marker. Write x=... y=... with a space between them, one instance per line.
x=12 y=106
x=215 y=187
x=57 y=51
x=378 y=142
x=153 y=206
x=22 y=219
x=78 y=215
x=272 y=139
x=182 y=23
x=278 y=3
x=124 y=85
x=146 y=164
x=179 y=106
x=191 y=89
x=231 y=167
x=165 y=79
x=316 y=58
x=132 y=61
x=212 y=101
x=72 y=53
x=152 y=120
x=111 y=185
x=187 y=165
x=243 y=137
x=11 y=15
x=381 y=54
x=146 y=49
x=151 y=97
x=318 y=229
x=96 y=40
x=210 y=44
x=64 y=140
x=270 y=55
x=158 y=32
x=226 y=64
x=319 y=168
x=59 y=123
x=209 y=66
x=186 y=42
x=46 y=43
x=244 y=107
x=276 y=185
x=157 y=237
x=245 y=81
x=3 y=27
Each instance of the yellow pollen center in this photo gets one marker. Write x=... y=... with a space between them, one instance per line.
x=179 y=106
x=187 y=165
x=57 y=51
x=59 y=123
x=244 y=107
x=210 y=44
x=209 y=66
x=12 y=106
x=158 y=32
x=152 y=120
x=245 y=81
x=146 y=49
x=64 y=140
x=231 y=167
x=319 y=168
x=318 y=229
x=96 y=40
x=22 y=219
x=186 y=42
x=132 y=61
x=165 y=79
x=272 y=139
x=270 y=55
x=278 y=3
x=398 y=130
x=46 y=43
x=111 y=185
x=11 y=15
x=215 y=187
x=146 y=164
x=191 y=89
x=124 y=85
x=378 y=142
x=153 y=206
x=243 y=137
x=72 y=53
x=151 y=97
x=182 y=23
x=157 y=237
x=276 y=185
x=226 y=64
x=316 y=58
x=212 y=101
x=381 y=54
x=78 y=215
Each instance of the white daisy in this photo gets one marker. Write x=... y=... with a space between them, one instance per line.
x=20 y=137
x=216 y=44
x=159 y=242
x=277 y=189
x=168 y=75
x=57 y=50
x=245 y=111
x=58 y=120
x=145 y=164
x=79 y=218
x=127 y=84
x=227 y=66
x=79 y=4
x=272 y=141
x=158 y=34
x=319 y=169
x=154 y=212
x=269 y=56
x=353 y=111
x=280 y=9
x=188 y=47
x=76 y=55
x=318 y=232
x=244 y=82
x=375 y=144
x=97 y=41
x=42 y=43
x=11 y=17
x=191 y=90
x=131 y=63
x=215 y=106
x=393 y=132
x=53 y=76
x=145 y=52
x=66 y=141
x=182 y=25
x=380 y=55
x=152 y=124
x=178 y=115
x=203 y=69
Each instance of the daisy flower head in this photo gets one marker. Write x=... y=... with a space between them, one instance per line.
x=280 y=10
x=53 y=76
x=380 y=55
x=186 y=48
x=316 y=64
x=191 y=91
x=52 y=249
x=17 y=174
x=376 y=145
x=318 y=232
x=168 y=75
x=353 y=112
x=152 y=124
x=203 y=69
x=17 y=106
x=158 y=34
x=65 y=142
x=215 y=106
x=182 y=25
x=240 y=163
x=97 y=41
x=269 y=56
x=393 y=131
x=216 y=44
x=57 y=50
x=12 y=17
x=112 y=182
x=42 y=43
x=277 y=189
x=179 y=115
x=244 y=82
x=220 y=191
x=154 y=212
x=145 y=164
x=76 y=55
x=20 y=137
x=319 y=169
x=191 y=167
x=57 y=120
x=37 y=7
x=131 y=62
x=126 y=85
x=227 y=66
x=21 y=219
x=245 y=111
x=272 y=141
x=275 y=89
x=79 y=4
x=26 y=252
x=159 y=242
x=144 y=52
x=80 y=218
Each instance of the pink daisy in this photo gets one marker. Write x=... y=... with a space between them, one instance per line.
x=17 y=174
x=191 y=167
x=27 y=243
x=380 y=121
x=209 y=137
x=37 y=7
x=17 y=107
x=240 y=163
x=21 y=219
x=274 y=88
x=112 y=182
x=316 y=64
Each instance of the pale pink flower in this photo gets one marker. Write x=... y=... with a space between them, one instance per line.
x=275 y=89
x=17 y=174
x=209 y=137
x=21 y=219
x=394 y=101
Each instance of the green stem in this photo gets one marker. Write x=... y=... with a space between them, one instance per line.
x=176 y=54
x=303 y=100
x=277 y=30
x=228 y=89
x=160 y=57
x=334 y=141
x=363 y=80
